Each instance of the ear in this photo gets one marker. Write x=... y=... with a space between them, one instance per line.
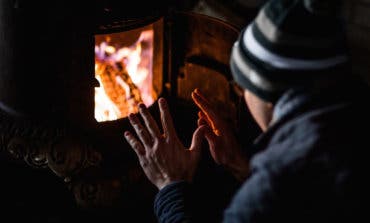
x=270 y=107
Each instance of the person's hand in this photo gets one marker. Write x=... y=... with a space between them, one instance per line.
x=222 y=141
x=163 y=157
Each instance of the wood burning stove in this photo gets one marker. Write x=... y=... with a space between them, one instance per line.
x=128 y=65
x=92 y=76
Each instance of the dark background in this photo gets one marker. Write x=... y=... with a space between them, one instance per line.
x=37 y=195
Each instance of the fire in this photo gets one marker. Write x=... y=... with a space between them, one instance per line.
x=125 y=77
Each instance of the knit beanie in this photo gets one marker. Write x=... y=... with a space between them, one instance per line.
x=289 y=43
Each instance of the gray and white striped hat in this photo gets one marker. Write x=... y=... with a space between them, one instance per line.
x=288 y=44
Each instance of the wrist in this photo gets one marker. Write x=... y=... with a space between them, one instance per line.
x=162 y=185
x=239 y=168
x=169 y=183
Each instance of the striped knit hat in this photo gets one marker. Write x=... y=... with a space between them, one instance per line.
x=290 y=43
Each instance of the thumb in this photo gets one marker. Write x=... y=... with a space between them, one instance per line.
x=196 y=142
x=210 y=136
x=212 y=143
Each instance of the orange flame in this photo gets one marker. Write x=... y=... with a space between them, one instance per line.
x=125 y=77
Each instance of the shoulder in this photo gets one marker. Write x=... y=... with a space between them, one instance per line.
x=253 y=199
x=308 y=166
x=311 y=134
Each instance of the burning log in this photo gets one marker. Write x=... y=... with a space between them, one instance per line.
x=119 y=87
x=135 y=95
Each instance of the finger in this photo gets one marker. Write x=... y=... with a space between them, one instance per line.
x=207 y=132
x=166 y=119
x=199 y=92
x=135 y=144
x=211 y=123
x=198 y=135
x=205 y=106
x=140 y=130
x=210 y=136
x=202 y=121
x=201 y=115
x=206 y=112
x=196 y=143
x=149 y=122
x=203 y=103
x=212 y=143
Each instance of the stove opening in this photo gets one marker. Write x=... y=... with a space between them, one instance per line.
x=124 y=68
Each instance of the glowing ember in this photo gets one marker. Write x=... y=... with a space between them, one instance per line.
x=125 y=77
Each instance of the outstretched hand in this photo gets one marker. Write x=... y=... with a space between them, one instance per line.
x=163 y=157
x=223 y=144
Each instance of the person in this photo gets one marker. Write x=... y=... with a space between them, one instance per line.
x=310 y=166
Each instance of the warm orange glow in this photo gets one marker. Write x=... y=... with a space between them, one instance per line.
x=205 y=107
x=125 y=77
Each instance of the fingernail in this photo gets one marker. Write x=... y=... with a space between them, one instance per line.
x=142 y=106
x=194 y=95
x=131 y=116
x=127 y=133
x=162 y=101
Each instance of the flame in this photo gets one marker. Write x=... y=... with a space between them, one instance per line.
x=125 y=77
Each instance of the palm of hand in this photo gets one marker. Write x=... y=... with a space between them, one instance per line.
x=223 y=144
x=163 y=157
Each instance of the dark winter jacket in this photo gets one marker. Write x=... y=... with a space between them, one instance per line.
x=311 y=167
